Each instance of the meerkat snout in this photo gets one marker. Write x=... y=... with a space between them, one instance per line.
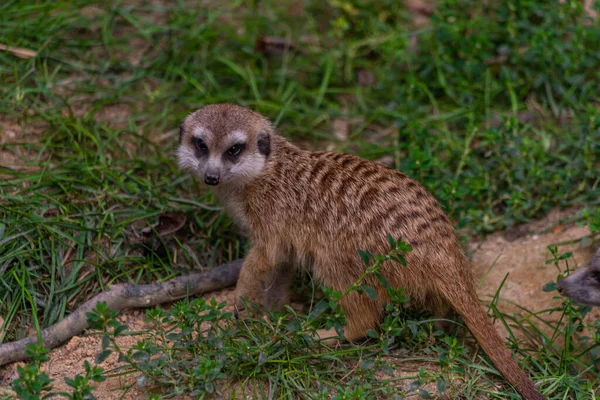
x=222 y=150
x=211 y=179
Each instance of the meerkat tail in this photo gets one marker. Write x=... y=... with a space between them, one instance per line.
x=488 y=338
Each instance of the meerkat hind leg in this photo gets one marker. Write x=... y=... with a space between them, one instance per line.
x=361 y=314
x=446 y=317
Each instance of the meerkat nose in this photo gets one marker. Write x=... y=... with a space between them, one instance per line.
x=211 y=180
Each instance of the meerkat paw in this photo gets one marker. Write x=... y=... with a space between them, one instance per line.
x=248 y=306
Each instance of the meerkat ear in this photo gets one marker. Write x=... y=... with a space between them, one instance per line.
x=263 y=143
x=180 y=133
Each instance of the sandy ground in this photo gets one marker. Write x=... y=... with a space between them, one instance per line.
x=521 y=253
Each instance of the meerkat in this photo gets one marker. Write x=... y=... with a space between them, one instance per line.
x=583 y=285
x=315 y=210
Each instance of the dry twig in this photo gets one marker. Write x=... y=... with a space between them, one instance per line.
x=18 y=51
x=125 y=296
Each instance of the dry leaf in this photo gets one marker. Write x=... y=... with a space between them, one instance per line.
x=420 y=11
x=366 y=77
x=50 y=212
x=588 y=6
x=340 y=129
x=18 y=51
x=153 y=238
x=271 y=45
x=169 y=222
x=388 y=161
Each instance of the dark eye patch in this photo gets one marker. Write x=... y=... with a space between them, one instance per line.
x=199 y=145
x=234 y=151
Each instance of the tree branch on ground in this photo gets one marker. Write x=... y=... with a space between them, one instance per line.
x=126 y=296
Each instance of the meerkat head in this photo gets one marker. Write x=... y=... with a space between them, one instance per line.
x=583 y=285
x=224 y=144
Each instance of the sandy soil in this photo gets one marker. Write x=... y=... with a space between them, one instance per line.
x=522 y=253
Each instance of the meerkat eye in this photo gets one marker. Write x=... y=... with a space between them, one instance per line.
x=199 y=144
x=235 y=149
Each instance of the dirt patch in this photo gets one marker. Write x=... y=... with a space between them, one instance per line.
x=115 y=115
x=420 y=11
x=10 y=156
x=521 y=253
x=67 y=361
x=13 y=155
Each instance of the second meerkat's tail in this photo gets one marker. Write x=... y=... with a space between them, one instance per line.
x=481 y=326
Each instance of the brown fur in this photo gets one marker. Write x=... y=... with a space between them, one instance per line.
x=316 y=209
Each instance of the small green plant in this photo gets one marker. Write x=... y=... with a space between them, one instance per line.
x=31 y=381
x=82 y=385
x=591 y=218
x=33 y=384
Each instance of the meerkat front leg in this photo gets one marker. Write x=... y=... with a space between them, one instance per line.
x=280 y=289
x=257 y=276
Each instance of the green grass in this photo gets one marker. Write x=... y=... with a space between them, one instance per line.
x=96 y=114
